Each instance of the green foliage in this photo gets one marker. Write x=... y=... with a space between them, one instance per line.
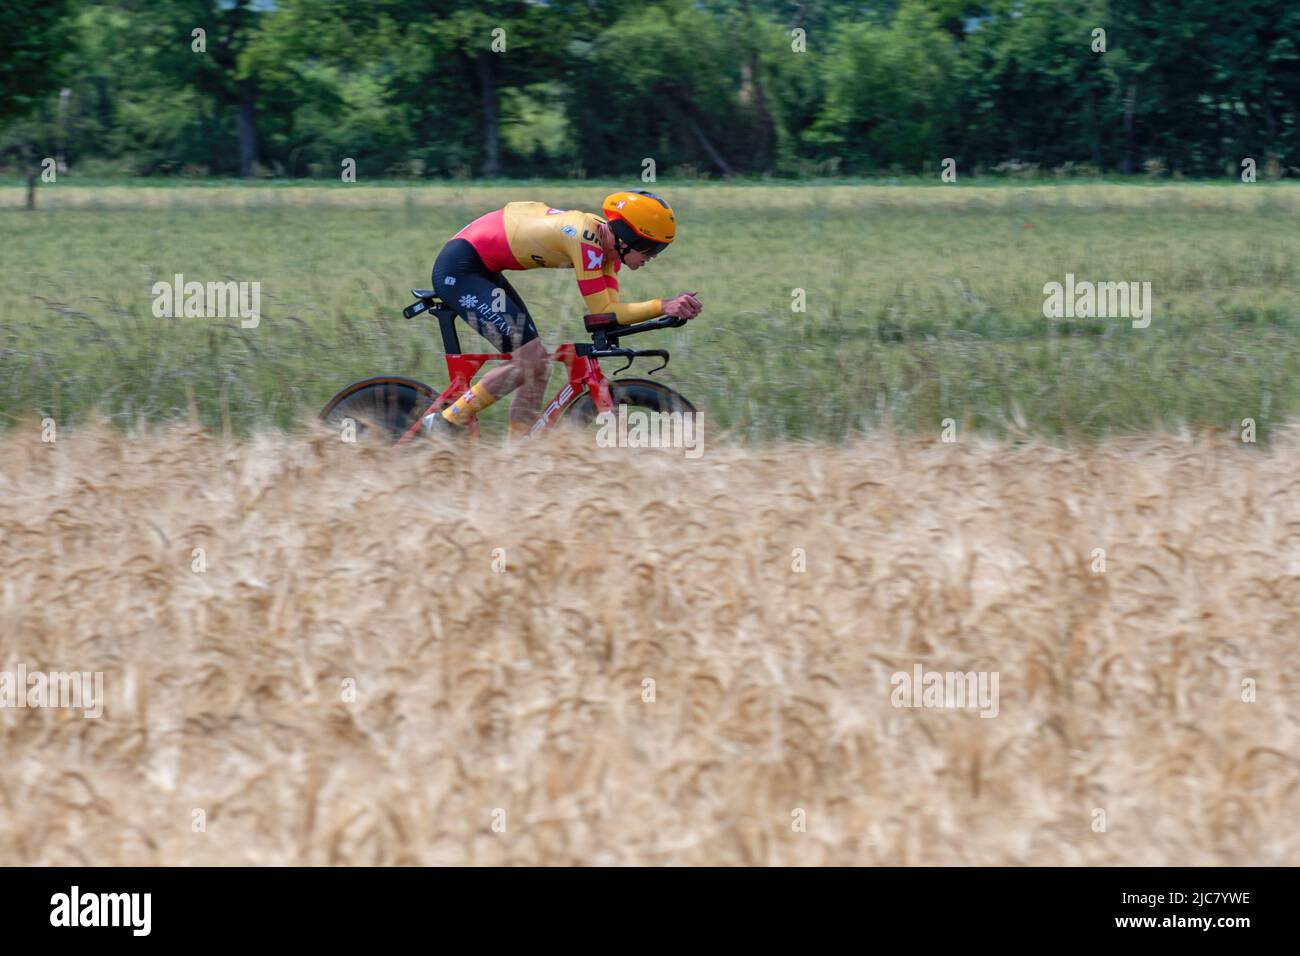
x=703 y=87
x=883 y=80
x=33 y=44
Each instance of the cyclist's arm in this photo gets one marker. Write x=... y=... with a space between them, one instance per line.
x=599 y=288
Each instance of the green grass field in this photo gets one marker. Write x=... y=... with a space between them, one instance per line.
x=922 y=302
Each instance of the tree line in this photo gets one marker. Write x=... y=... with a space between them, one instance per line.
x=561 y=88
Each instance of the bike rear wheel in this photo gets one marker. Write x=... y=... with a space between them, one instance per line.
x=387 y=405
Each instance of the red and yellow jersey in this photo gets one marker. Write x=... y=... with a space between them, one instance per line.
x=532 y=235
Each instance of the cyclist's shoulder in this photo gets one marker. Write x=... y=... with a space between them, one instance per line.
x=534 y=208
x=554 y=213
x=527 y=206
x=572 y=226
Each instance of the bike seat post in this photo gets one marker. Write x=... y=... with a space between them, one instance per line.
x=447 y=323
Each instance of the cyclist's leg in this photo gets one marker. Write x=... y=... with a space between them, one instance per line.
x=487 y=303
x=493 y=309
x=533 y=366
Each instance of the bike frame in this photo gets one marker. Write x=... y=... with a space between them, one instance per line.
x=583 y=368
x=584 y=376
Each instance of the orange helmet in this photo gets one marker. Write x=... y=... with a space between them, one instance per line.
x=640 y=220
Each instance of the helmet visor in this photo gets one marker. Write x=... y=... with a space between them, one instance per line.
x=637 y=243
x=648 y=247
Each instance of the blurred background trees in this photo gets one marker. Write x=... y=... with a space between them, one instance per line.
x=704 y=87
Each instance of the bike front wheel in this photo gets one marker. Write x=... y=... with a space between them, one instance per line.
x=634 y=393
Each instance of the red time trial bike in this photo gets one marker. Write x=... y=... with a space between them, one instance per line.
x=395 y=406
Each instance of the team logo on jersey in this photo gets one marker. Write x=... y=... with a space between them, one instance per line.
x=569 y=230
x=595 y=257
x=553 y=212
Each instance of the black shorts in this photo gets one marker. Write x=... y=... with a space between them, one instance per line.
x=481 y=297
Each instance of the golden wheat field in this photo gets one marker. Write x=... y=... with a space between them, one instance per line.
x=560 y=655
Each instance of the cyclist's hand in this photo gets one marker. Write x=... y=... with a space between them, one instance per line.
x=684 y=306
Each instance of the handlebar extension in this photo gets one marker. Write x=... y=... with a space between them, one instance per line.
x=607 y=324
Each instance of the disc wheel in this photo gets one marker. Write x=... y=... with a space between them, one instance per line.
x=386 y=405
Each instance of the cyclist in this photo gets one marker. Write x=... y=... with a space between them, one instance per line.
x=468 y=275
